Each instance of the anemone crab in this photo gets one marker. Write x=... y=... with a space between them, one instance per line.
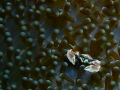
x=94 y=64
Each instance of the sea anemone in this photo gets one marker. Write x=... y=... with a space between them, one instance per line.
x=37 y=38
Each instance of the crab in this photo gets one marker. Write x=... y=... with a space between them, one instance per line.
x=94 y=64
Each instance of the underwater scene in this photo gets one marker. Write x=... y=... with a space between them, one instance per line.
x=59 y=45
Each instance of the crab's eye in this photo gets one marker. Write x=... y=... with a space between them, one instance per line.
x=86 y=61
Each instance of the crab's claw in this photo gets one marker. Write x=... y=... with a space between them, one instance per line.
x=94 y=67
x=71 y=56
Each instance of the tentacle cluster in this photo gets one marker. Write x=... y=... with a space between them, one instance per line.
x=35 y=36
